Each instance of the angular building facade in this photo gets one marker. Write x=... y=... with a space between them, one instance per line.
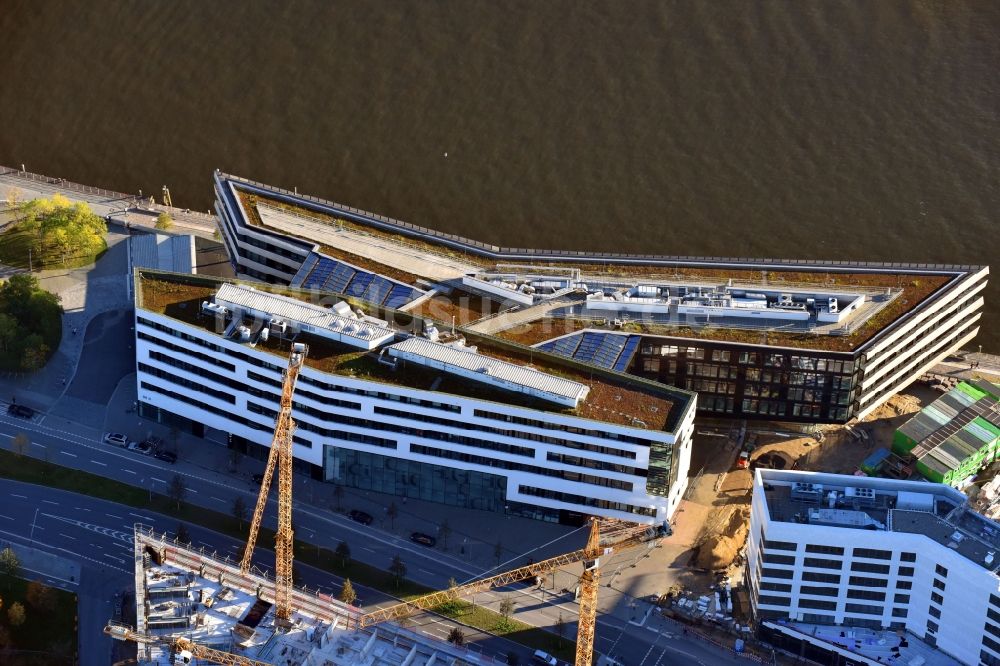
x=786 y=340
x=403 y=409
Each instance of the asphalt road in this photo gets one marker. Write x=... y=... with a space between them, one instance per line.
x=106 y=535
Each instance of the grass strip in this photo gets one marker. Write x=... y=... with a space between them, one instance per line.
x=40 y=472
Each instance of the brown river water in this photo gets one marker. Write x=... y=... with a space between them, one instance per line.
x=835 y=130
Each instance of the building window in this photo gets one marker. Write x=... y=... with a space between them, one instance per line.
x=822 y=563
x=903 y=585
x=865 y=609
x=816 y=603
x=772 y=558
x=770 y=600
x=940 y=571
x=932 y=626
x=899 y=612
x=777 y=573
x=908 y=557
x=821 y=591
x=824 y=550
x=868 y=595
x=867 y=567
x=862 y=581
x=991 y=644
x=778 y=545
x=937 y=598
x=775 y=587
x=934 y=611
x=873 y=554
x=816 y=577
x=901 y=598
x=939 y=584
x=906 y=571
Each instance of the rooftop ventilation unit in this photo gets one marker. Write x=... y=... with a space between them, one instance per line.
x=832 y=305
x=989 y=558
x=860 y=496
x=807 y=492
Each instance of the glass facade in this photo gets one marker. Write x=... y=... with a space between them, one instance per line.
x=782 y=385
x=409 y=478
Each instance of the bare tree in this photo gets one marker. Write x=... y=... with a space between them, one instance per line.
x=20 y=444
x=177 y=490
x=343 y=551
x=182 y=534
x=560 y=629
x=391 y=512
x=506 y=607
x=443 y=533
x=397 y=569
x=498 y=551
x=240 y=510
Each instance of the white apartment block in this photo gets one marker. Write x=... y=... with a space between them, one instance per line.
x=876 y=553
x=382 y=409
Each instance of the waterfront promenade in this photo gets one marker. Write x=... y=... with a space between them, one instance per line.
x=106 y=203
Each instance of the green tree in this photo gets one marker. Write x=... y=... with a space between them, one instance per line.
x=20 y=444
x=182 y=533
x=347 y=593
x=8 y=331
x=164 y=222
x=16 y=615
x=343 y=551
x=240 y=510
x=60 y=227
x=398 y=570
x=40 y=597
x=391 y=512
x=456 y=636
x=177 y=490
x=10 y=565
x=35 y=354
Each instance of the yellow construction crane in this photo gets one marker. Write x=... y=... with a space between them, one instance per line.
x=185 y=651
x=618 y=536
x=280 y=457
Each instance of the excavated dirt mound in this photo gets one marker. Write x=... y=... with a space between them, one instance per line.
x=720 y=548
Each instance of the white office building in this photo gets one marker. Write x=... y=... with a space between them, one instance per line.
x=871 y=553
x=463 y=422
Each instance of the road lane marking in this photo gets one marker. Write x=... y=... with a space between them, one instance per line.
x=112 y=557
x=19 y=496
x=50 y=502
x=71 y=455
x=146 y=518
x=98 y=462
x=129 y=471
x=81 y=508
x=217 y=499
x=40 y=446
x=7 y=517
x=111 y=515
x=156 y=479
x=67 y=536
x=192 y=490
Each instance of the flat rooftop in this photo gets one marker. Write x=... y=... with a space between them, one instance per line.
x=409 y=253
x=936 y=511
x=609 y=397
x=872 y=646
x=179 y=594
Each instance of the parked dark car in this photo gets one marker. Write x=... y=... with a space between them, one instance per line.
x=360 y=517
x=423 y=539
x=165 y=456
x=23 y=411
